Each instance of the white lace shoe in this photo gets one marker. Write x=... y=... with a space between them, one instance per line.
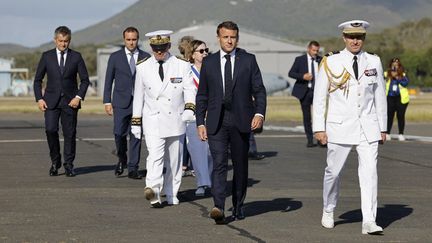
x=401 y=137
x=371 y=228
x=388 y=137
x=327 y=220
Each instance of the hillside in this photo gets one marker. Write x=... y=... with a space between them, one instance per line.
x=288 y=19
x=411 y=41
x=8 y=49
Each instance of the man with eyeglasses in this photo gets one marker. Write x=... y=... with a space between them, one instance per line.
x=355 y=115
x=164 y=92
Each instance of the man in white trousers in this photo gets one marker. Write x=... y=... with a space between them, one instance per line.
x=352 y=82
x=164 y=92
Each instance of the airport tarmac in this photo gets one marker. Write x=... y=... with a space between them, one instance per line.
x=283 y=204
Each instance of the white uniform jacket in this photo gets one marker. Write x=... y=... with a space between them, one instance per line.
x=161 y=104
x=354 y=107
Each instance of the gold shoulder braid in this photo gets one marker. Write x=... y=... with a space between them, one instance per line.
x=136 y=121
x=333 y=84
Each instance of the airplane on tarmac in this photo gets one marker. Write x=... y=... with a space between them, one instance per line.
x=274 y=82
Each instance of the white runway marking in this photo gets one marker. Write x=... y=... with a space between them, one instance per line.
x=298 y=129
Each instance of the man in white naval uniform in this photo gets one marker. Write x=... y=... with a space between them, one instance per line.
x=164 y=92
x=352 y=80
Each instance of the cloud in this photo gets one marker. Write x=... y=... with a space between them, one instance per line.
x=31 y=23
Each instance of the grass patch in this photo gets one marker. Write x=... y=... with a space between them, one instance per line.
x=279 y=109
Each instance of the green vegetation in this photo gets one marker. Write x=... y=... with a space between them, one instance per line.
x=30 y=60
x=279 y=109
x=410 y=41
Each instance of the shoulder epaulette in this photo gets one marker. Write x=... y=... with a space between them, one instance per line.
x=372 y=53
x=182 y=58
x=142 y=60
x=332 y=53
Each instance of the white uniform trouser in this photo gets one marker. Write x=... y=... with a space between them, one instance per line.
x=166 y=152
x=367 y=172
x=200 y=155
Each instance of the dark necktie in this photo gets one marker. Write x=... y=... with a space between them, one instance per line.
x=62 y=61
x=313 y=72
x=132 y=63
x=355 y=67
x=161 y=73
x=228 y=82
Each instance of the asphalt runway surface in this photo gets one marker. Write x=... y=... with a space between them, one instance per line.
x=283 y=204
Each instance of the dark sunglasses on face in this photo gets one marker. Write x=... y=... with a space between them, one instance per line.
x=202 y=50
x=352 y=37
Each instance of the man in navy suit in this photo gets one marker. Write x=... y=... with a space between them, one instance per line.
x=230 y=103
x=304 y=70
x=121 y=68
x=62 y=97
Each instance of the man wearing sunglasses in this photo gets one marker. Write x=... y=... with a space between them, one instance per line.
x=355 y=115
x=164 y=92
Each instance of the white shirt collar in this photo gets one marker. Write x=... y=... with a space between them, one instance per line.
x=59 y=52
x=222 y=53
x=128 y=52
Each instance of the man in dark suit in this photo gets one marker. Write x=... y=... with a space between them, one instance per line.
x=121 y=68
x=304 y=70
x=62 y=97
x=232 y=94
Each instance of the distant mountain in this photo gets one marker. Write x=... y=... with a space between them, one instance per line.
x=9 y=49
x=287 y=19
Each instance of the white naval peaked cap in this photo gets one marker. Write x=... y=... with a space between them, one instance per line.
x=159 y=37
x=354 y=27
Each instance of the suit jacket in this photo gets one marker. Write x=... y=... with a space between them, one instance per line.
x=298 y=69
x=161 y=104
x=59 y=84
x=361 y=104
x=118 y=69
x=248 y=95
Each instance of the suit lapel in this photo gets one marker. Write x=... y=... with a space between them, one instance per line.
x=237 y=66
x=125 y=61
x=167 y=74
x=67 y=61
x=53 y=57
x=363 y=64
x=347 y=63
x=218 y=77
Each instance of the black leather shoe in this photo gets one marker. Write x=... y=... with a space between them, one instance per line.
x=134 y=175
x=53 y=171
x=218 y=215
x=238 y=214
x=120 y=168
x=70 y=172
x=256 y=156
x=311 y=145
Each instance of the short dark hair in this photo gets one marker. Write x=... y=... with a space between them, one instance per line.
x=227 y=25
x=130 y=29
x=313 y=43
x=63 y=30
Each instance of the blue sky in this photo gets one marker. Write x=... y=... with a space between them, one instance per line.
x=32 y=22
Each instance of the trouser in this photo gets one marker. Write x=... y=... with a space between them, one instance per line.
x=394 y=105
x=306 y=104
x=68 y=117
x=122 y=120
x=367 y=172
x=164 y=152
x=200 y=155
x=228 y=135
x=252 y=144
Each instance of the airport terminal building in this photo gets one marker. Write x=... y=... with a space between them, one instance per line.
x=273 y=56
